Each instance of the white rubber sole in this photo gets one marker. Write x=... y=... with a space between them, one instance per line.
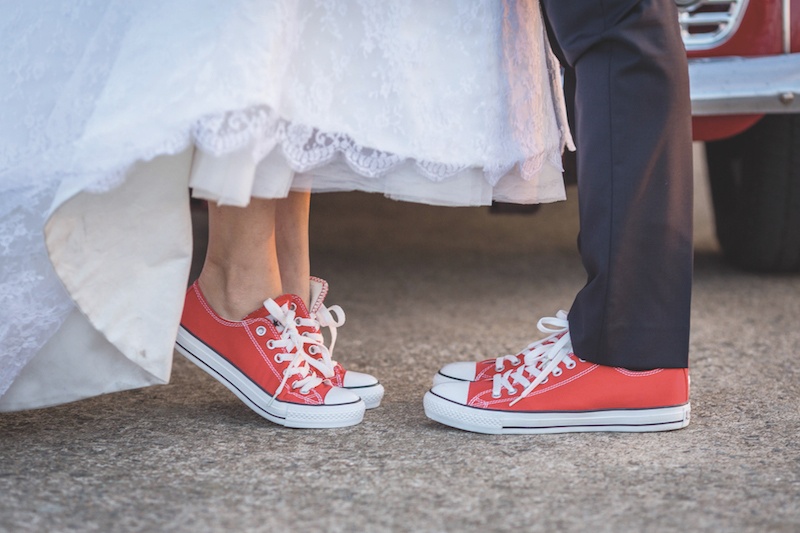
x=502 y=422
x=372 y=395
x=283 y=413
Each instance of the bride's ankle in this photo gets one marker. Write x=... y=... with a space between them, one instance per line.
x=234 y=296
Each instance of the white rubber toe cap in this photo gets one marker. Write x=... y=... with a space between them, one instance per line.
x=463 y=371
x=455 y=391
x=339 y=396
x=358 y=379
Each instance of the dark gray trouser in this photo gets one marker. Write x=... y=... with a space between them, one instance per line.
x=627 y=91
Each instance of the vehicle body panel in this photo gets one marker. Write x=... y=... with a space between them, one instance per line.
x=749 y=73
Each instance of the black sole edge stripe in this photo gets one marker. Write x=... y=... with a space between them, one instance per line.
x=597 y=425
x=195 y=337
x=451 y=377
x=210 y=370
x=362 y=387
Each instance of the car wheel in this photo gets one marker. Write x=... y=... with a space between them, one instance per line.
x=755 y=187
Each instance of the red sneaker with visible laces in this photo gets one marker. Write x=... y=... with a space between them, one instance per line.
x=309 y=324
x=262 y=360
x=555 y=328
x=554 y=392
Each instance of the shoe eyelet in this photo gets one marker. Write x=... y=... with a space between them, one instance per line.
x=297 y=322
x=304 y=392
x=512 y=392
x=305 y=334
x=292 y=306
x=261 y=331
x=270 y=344
x=519 y=362
x=285 y=371
x=312 y=350
x=570 y=365
x=498 y=369
x=278 y=358
x=495 y=395
x=545 y=380
x=557 y=372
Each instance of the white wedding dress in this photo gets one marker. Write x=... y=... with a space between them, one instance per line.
x=111 y=109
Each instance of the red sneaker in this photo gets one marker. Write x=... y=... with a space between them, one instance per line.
x=555 y=327
x=310 y=323
x=556 y=392
x=262 y=360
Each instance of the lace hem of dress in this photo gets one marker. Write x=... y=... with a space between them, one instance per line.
x=306 y=148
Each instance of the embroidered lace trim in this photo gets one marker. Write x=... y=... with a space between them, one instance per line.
x=306 y=148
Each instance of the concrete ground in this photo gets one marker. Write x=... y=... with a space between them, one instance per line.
x=423 y=286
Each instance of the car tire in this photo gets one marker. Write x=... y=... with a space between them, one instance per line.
x=755 y=187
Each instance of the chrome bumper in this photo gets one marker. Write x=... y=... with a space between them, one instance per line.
x=745 y=85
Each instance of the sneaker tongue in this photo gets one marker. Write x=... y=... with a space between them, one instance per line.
x=319 y=289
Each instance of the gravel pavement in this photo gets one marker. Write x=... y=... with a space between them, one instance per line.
x=423 y=286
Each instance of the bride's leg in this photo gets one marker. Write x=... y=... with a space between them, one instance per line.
x=260 y=359
x=291 y=236
x=241 y=267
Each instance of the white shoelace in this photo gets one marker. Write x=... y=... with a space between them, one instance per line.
x=331 y=318
x=542 y=359
x=294 y=343
x=554 y=326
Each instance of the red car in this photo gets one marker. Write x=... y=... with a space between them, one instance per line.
x=745 y=76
